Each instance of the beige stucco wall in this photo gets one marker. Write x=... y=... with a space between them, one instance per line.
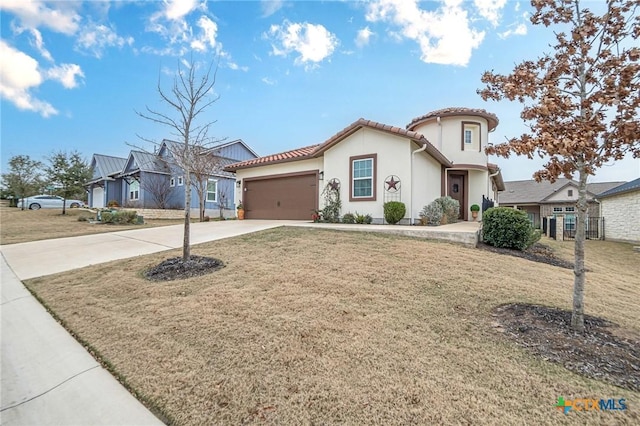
x=451 y=143
x=477 y=188
x=620 y=214
x=427 y=176
x=563 y=194
x=393 y=158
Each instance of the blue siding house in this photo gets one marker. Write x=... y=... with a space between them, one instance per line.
x=148 y=180
x=104 y=185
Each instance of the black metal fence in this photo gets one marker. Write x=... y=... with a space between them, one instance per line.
x=594 y=231
x=486 y=203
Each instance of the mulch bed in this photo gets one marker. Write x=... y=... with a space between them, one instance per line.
x=604 y=352
x=177 y=269
x=536 y=253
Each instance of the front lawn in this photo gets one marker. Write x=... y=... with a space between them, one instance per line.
x=312 y=326
x=20 y=226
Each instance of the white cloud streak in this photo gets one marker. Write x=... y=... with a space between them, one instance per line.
x=96 y=38
x=313 y=43
x=66 y=74
x=37 y=13
x=490 y=9
x=444 y=35
x=269 y=7
x=363 y=37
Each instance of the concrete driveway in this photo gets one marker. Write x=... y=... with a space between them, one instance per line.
x=48 y=378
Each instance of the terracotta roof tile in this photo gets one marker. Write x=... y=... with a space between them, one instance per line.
x=316 y=150
x=446 y=112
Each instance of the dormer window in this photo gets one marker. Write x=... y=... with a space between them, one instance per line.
x=471 y=136
x=570 y=193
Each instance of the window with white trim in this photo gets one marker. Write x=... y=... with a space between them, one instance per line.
x=172 y=182
x=180 y=181
x=569 y=209
x=134 y=190
x=470 y=136
x=212 y=190
x=362 y=178
x=557 y=209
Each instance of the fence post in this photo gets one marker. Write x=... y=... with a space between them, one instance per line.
x=560 y=226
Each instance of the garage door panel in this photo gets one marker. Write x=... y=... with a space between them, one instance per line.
x=291 y=197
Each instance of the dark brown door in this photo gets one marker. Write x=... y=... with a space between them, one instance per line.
x=456 y=191
x=290 y=197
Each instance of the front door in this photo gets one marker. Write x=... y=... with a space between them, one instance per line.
x=456 y=190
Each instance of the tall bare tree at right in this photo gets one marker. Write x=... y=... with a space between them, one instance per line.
x=191 y=94
x=581 y=102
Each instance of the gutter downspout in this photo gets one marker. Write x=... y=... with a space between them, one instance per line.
x=424 y=147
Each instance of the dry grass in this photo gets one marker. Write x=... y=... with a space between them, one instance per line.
x=21 y=226
x=311 y=326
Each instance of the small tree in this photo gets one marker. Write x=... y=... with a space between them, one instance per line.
x=581 y=102
x=189 y=97
x=203 y=164
x=24 y=176
x=68 y=172
x=223 y=201
x=157 y=186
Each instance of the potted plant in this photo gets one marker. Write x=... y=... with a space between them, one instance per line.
x=474 y=211
x=240 y=211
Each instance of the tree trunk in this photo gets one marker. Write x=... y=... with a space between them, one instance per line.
x=64 y=205
x=577 y=316
x=186 y=245
x=202 y=194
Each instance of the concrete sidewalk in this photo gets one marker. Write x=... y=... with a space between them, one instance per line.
x=48 y=378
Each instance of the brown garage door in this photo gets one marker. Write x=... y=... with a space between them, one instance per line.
x=286 y=197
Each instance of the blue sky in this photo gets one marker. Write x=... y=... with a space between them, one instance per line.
x=290 y=74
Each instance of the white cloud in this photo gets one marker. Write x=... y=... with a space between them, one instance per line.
x=490 y=9
x=207 y=36
x=60 y=17
x=18 y=75
x=269 y=7
x=267 y=80
x=363 y=37
x=520 y=29
x=66 y=74
x=312 y=43
x=178 y=9
x=95 y=38
x=443 y=35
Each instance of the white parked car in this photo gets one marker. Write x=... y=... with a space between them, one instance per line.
x=44 y=201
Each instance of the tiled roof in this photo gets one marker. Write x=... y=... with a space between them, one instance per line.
x=530 y=191
x=448 y=112
x=281 y=157
x=633 y=185
x=316 y=150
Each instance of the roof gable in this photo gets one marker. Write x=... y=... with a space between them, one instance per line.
x=314 y=151
x=140 y=161
x=104 y=166
x=491 y=118
x=530 y=191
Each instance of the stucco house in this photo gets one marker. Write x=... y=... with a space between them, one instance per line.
x=440 y=153
x=545 y=199
x=154 y=180
x=620 y=207
x=104 y=185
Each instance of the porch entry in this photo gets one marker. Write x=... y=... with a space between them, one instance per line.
x=457 y=189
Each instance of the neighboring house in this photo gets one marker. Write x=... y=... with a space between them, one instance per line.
x=620 y=207
x=544 y=199
x=104 y=186
x=154 y=180
x=440 y=153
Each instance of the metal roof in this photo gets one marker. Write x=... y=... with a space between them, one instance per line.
x=631 y=186
x=530 y=191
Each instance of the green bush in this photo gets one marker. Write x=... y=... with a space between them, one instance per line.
x=509 y=228
x=450 y=208
x=119 y=217
x=365 y=219
x=349 y=218
x=394 y=211
x=432 y=214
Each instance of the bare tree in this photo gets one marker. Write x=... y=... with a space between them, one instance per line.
x=223 y=201
x=190 y=95
x=581 y=102
x=157 y=186
x=204 y=163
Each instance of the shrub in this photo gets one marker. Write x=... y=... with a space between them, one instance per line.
x=432 y=213
x=84 y=218
x=509 y=228
x=113 y=203
x=394 y=211
x=363 y=218
x=349 y=218
x=475 y=208
x=119 y=217
x=450 y=208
